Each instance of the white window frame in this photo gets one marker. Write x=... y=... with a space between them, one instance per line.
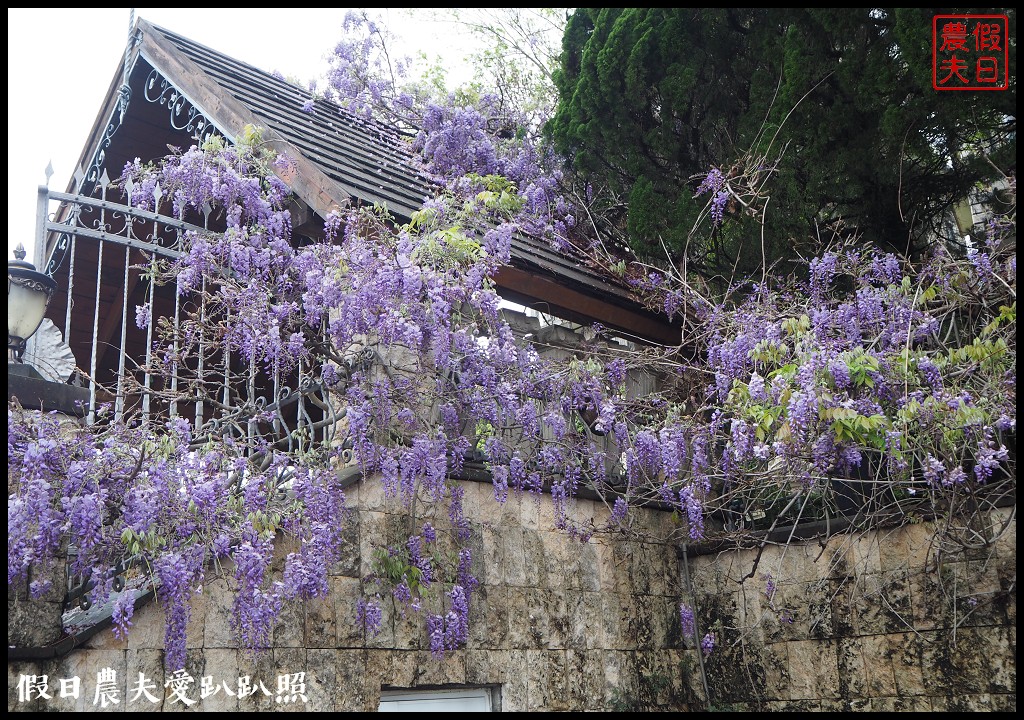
x=464 y=699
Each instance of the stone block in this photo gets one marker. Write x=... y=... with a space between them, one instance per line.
x=488 y=618
x=321 y=680
x=881 y=603
x=547 y=686
x=881 y=677
x=145 y=667
x=321 y=624
x=835 y=556
x=514 y=570
x=619 y=683
x=410 y=625
x=494 y=552
x=507 y=514
x=538 y=616
x=447 y=670
x=667 y=633
x=392 y=668
x=907 y=547
x=984 y=660
x=863 y=556
x=644 y=622
x=345 y=593
x=899 y=704
x=813 y=670
x=514 y=681
x=105 y=639
x=546 y=514
x=641 y=569
x=559 y=568
x=803 y=706
x=289 y=679
x=605 y=562
x=693 y=684
x=792 y=564
x=611 y=618
x=559 y=621
x=485 y=667
x=217 y=632
x=709 y=572
x=371 y=495
x=622 y=552
x=218 y=687
x=65 y=674
x=33 y=623
x=354 y=689
x=853 y=671
x=577 y=618
x=534 y=558
x=290 y=629
x=926 y=600
x=529 y=510
x=587 y=573
x=982 y=702
x=256 y=671
x=906 y=653
x=1002 y=530
x=184 y=687
x=800 y=611
x=384 y=636
x=349 y=562
x=591 y=621
x=584 y=672
x=519 y=623
x=373 y=534
x=774 y=662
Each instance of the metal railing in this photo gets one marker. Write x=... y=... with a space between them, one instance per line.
x=111 y=300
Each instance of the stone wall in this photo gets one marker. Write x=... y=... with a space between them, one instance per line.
x=883 y=621
x=556 y=624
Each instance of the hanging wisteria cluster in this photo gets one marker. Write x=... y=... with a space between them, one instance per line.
x=894 y=378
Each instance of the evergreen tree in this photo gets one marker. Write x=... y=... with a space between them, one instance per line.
x=828 y=114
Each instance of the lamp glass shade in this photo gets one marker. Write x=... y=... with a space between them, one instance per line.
x=25 y=310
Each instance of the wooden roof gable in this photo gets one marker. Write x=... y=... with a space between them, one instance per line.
x=338 y=160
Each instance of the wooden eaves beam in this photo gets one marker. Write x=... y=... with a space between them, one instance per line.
x=537 y=291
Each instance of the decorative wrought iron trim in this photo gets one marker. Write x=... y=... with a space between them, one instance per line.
x=124 y=96
x=184 y=115
x=101 y=214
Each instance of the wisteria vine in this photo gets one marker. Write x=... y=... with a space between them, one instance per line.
x=866 y=371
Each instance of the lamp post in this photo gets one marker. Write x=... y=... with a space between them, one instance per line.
x=28 y=295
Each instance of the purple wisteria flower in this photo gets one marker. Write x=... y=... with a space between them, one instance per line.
x=618 y=514
x=988 y=459
x=124 y=608
x=370 y=615
x=982 y=264
x=429 y=533
x=402 y=593
x=687 y=622
x=142 y=316
x=715 y=184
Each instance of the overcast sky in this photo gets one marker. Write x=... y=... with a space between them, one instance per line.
x=61 y=62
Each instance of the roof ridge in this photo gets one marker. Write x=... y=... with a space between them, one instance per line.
x=371 y=124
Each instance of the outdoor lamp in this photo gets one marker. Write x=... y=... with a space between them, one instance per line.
x=28 y=294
